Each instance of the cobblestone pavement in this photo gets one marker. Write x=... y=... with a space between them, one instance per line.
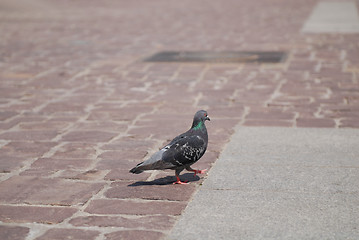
x=78 y=107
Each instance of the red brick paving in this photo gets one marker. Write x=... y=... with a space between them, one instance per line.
x=38 y=214
x=78 y=108
x=135 y=234
x=13 y=232
x=64 y=233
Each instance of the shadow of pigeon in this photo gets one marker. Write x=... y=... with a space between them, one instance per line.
x=167 y=180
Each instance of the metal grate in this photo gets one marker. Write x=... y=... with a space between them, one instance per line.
x=218 y=57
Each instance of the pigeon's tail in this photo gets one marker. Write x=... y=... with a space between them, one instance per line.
x=136 y=169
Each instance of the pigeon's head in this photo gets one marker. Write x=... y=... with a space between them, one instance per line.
x=199 y=118
x=202 y=116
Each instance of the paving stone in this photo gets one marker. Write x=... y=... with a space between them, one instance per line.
x=9 y=163
x=115 y=113
x=264 y=122
x=124 y=174
x=102 y=125
x=151 y=192
x=66 y=116
x=153 y=131
x=9 y=124
x=61 y=164
x=63 y=118
x=209 y=157
x=315 y=122
x=135 y=234
x=269 y=114
x=88 y=136
x=351 y=123
x=129 y=155
x=165 y=117
x=26 y=149
x=63 y=233
x=219 y=135
x=129 y=144
x=119 y=206
x=89 y=175
x=29 y=214
x=75 y=150
x=55 y=125
x=175 y=108
x=29 y=135
x=161 y=128
x=231 y=113
x=158 y=222
x=117 y=163
x=64 y=107
x=35 y=190
x=13 y=232
x=39 y=172
x=6 y=114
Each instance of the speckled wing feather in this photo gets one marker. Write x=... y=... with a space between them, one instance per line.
x=185 y=150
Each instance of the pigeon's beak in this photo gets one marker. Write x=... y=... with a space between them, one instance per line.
x=207 y=118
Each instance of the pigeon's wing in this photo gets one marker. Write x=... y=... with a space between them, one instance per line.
x=155 y=162
x=184 y=150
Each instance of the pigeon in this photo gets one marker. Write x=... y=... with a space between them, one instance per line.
x=183 y=151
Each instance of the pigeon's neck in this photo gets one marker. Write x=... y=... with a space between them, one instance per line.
x=197 y=125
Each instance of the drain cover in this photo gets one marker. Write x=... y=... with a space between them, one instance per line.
x=217 y=57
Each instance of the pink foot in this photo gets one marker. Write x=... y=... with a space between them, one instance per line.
x=180 y=182
x=199 y=171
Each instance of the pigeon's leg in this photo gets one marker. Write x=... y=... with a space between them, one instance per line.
x=195 y=171
x=177 y=177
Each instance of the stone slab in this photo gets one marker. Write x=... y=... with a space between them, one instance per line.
x=279 y=183
x=333 y=17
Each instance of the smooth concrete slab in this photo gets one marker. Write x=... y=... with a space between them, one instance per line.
x=333 y=17
x=279 y=183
